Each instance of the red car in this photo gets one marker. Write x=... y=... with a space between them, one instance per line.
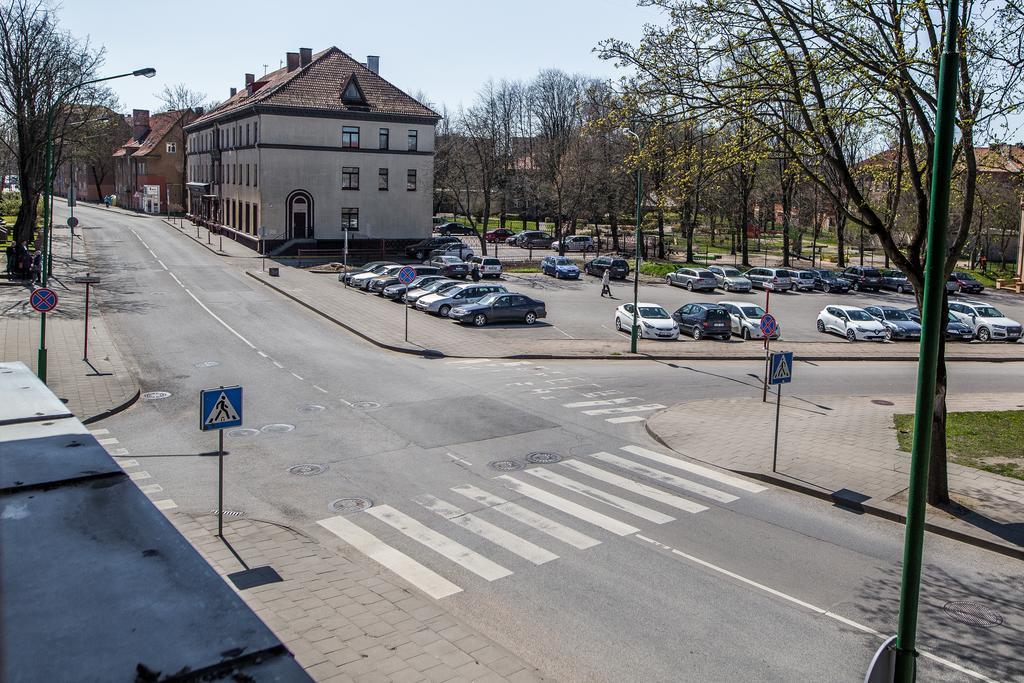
x=498 y=234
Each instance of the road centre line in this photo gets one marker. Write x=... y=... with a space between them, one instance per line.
x=806 y=605
x=218 y=319
x=320 y=389
x=175 y=278
x=298 y=377
x=162 y=264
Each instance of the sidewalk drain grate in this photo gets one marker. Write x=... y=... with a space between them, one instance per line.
x=244 y=431
x=505 y=465
x=365 y=405
x=278 y=428
x=307 y=470
x=155 y=395
x=882 y=402
x=972 y=613
x=228 y=513
x=207 y=364
x=343 y=505
x=311 y=408
x=542 y=458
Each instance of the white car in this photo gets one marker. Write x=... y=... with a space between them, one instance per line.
x=746 y=319
x=986 y=320
x=851 y=322
x=361 y=280
x=730 y=279
x=445 y=300
x=653 y=321
x=487 y=266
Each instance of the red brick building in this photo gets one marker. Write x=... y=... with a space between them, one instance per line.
x=149 y=173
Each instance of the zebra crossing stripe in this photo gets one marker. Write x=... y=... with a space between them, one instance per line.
x=633 y=486
x=495 y=534
x=428 y=581
x=624 y=409
x=524 y=516
x=705 y=472
x=568 y=507
x=604 y=402
x=627 y=418
x=439 y=543
x=632 y=508
x=665 y=477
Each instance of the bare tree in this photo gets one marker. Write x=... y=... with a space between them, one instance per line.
x=180 y=96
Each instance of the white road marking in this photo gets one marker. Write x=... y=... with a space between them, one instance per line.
x=458 y=459
x=135 y=476
x=606 y=402
x=624 y=409
x=277 y=364
x=495 y=534
x=633 y=486
x=319 y=388
x=108 y=442
x=127 y=463
x=348 y=403
x=166 y=504
x=151 y=488
x=563 y=331
x=524 y=516
x=632 y=508
x=175 y=279
x=99 y=432
x=118 y=452
x=162 y=265
x=297 y=377
x=806 y=605
x=439 y=543
x=263 y=354
x=627 y=418
x=217 y=318
x=705 y=472
x=428 y=581
x=468 y=361
x=568 y=507
x=666 y=478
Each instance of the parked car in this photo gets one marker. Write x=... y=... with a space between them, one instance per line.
x=898 y=324
x=830 y=281
x=963 y=283
x=955 y=330
x=850 y=322
x=619 y=267
x=653 y=321
x=498 y=235
x=358 y=279
x=559 y=266
x=436 y=286
x=803 y=280
x=452 y=228
x=864 y=278
x=365 y=268
x=450 y=266
x=396 y=291
x=487 y=266
x=422 y=249
x=896 y=281
x=512 y=240
x=746 y=319
x=576 y=243
x=692 y=279
x=460 y=249
x=533 y=239
x=771 y=279
x=987 y=321
x=704 y=320
x=389 y=271
x=381 y=282
x=500 y=308
x=730 y=279
x=445 y=300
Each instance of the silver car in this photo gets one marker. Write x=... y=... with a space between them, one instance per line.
x=443 y=301
x=771 y=279
x=803 y=280
x=730 y=279
x=746 y=319
x=430 y=288
x=692 y=279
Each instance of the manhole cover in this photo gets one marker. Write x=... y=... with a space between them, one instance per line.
x=244 y=431
x=343 y=505
x=228 y=513
x=307 y=470
x=155 y=395
x=311 y=408
x=882 y=402
x=207 y=364
x=542 y=458
x=278 y=428
x=506 y=465
x=972 y=613
x=366 y=405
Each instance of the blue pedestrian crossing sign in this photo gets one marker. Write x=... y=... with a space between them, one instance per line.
x=781 y=371
x=220 y=408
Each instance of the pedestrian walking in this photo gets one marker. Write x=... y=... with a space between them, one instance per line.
x=606 y=287
x=475 y=272
x=37 y=268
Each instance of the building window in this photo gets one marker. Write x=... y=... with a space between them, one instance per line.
x=232 y=137
x=172 y=147
x=350 y=177
x=247 y=175
x=247 y=216
x=384 y=133
x=141 y=168
x=413 y=140
x=247 y=134
x=350 y=137
x=410 y=180
x=255 y=218
x=382 y=179
x=350 y=219
x=255 y=175
x=255 y=134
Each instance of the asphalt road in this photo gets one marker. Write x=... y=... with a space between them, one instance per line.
x=743 y=584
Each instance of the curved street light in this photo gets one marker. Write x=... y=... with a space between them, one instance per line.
x=636 y=269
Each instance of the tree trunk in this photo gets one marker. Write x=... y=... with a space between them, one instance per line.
x=744 y=241
x=661 y=233
x=686 y=223
x=785 y=235
x=613 y=218
x=25 y=226
x=486 y=220
x=841 y=239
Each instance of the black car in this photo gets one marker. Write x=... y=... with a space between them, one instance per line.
x=955 y=330
x=963 y=283
x=500 y=307
x=864 y=278
x=704 y=320
x=534 y=239
x=454 y=229
x=830 y=281
x=422 y=249
x=450 y=266
x=619 y=267
x=896 y=281
x=378 y=284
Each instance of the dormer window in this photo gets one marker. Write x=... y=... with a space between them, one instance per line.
x=352 y=93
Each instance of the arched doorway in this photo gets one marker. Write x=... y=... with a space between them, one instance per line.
x=300 y=215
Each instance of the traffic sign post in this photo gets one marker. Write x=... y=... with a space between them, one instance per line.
x=43 y=299
x=406 y=275
x=88 y=280
x=72 y=224
x=769 y=326
x=781 y=372
x=220 y=409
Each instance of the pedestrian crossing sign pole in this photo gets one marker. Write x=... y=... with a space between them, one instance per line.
x=220 y=409
x=780 y=372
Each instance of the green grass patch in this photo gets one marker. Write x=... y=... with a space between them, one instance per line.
x=984 y=440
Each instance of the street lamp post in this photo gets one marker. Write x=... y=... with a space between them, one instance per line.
x=48 y=197
x=636 y=270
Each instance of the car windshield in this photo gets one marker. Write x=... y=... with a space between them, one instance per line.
x=488 y=299
x=753 y=311
x=964 y=276
x=450 y=289
x=562 y=261
x=705 y=274
x=439 y=284
x=785 y=273
x=988 y=312
x=653 y=312
x=451 y=259
x=896 y=274
x=892 y=314
x=620 y=263
x=806 y=274
x=731 y=272
x=857 y=314
x=872 y=272
x=491 y=262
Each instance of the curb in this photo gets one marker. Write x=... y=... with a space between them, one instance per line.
x=222 y=254
x=860 y=507
x=115 y=410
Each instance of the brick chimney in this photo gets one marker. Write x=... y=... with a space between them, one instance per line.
x=292 y=60
x=305 y=56
x=249 y=80
x=234 y=91
x=373 y=63
x=140 y=123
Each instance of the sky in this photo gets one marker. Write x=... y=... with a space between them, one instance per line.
x=445 y=48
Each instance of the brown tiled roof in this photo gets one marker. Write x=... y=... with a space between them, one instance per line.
x=159 y=126
x=319 y=85
x=1001 y=158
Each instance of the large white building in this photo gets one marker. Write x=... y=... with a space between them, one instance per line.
x=320 y=146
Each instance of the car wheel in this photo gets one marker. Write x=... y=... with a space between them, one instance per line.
x=531 y=318
x=420 y=255
x=888 y=334
x=821 y=326
x=668 y=280
x=618 y=324
x=443 y=311
x=479 y=319
x=899 y=289
x=689 y=286
x=698 y=333
x=851 y=335
x=984 y=334
x=827 y=287
x=856 y=286
x=745 y=335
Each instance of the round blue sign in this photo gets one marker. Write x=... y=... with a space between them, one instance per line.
x=44 y=300
x=406 y=275
x=769 y=324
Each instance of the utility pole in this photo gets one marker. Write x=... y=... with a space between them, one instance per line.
x=636 y=270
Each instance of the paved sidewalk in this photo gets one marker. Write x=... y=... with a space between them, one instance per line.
x=92 y=388
x=346 y=621
x=845 y=448
x=218 y=244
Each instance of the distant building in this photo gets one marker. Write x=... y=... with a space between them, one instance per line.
x=149 y=173
x=321 y=146
x=88 y=163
